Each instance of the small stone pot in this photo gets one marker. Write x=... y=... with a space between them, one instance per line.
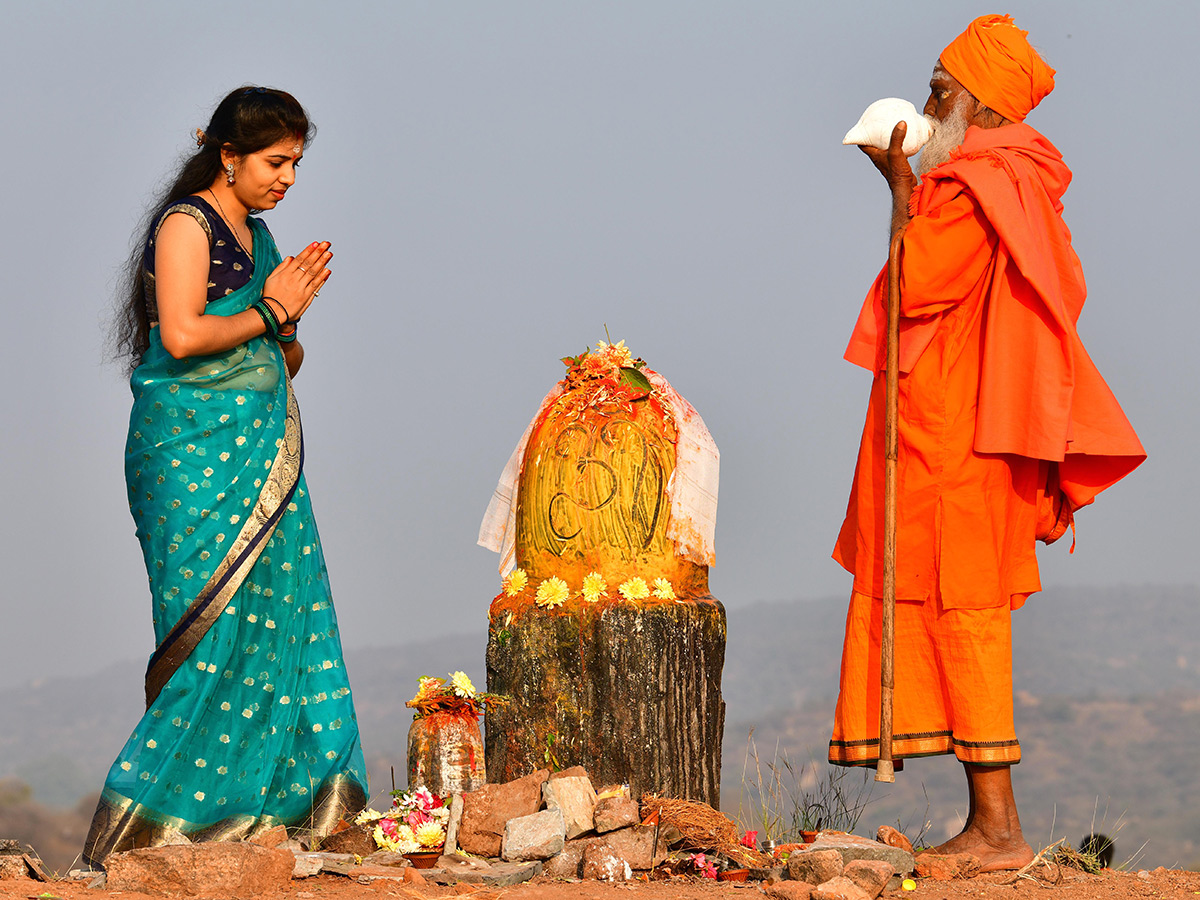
x=445 y=754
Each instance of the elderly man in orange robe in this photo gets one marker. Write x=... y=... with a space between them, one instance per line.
x=1005 y=428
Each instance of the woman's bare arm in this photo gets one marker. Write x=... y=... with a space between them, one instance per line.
x=181 y=262
x=181 y=265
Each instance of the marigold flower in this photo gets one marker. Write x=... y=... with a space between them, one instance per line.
x=428 y=689
x=430 y=835
x=552 y=592
x=384 y=841
x=596 y=365
x=462 y=686
x=406 y=840
x=617 y=354
x=594 y=587
x=634 y=589
x=663 y=589
x=514 y=582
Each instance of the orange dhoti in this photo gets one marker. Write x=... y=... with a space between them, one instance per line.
x=953 y=689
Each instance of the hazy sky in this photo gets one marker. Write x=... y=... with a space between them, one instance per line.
x=500 y=180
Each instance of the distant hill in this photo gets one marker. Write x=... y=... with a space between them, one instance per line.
x=1107 y=680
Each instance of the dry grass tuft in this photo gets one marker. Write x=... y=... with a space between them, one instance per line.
x=702 y=827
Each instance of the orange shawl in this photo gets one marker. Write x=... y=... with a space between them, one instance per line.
x=1040 y=394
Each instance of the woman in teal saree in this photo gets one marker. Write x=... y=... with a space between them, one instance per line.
x=249 y=719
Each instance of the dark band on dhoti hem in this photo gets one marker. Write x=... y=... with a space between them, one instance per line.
x=910 y=746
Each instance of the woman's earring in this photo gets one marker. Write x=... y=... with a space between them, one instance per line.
x=229 y=173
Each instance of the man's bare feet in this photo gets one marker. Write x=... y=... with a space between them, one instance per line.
x=995 y=852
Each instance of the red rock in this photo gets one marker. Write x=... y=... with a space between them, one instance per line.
x=614 y=813
x=893 y=838
x=947 y=868
x=568 y=863
x=487 y=810
x=386 y=858
x=356 y=840
x=814 y=866
x=840 y=888
x=241 y=871
x=600 y=863
x=872 y=875
x=789 y=890
x=636 y=846
x=272 y=837
x=14 y=867
x=369 y=872
x=573 y=772
x=412 y=876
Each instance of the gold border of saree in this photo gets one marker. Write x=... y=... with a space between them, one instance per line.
x=120 y=824
x=200 y=615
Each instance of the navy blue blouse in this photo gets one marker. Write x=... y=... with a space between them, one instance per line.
x=230 y=269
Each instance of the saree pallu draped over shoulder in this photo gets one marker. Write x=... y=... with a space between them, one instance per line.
x=249 y=719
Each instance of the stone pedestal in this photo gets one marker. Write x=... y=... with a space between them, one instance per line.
x=629 y=691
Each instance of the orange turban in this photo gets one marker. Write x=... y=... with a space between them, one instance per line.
x=994 y=62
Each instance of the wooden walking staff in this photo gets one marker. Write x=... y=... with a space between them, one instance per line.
x=884 y=771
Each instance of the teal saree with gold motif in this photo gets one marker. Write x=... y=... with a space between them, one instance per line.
x=249 y=719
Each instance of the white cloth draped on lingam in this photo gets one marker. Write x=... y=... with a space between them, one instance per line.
x=691 y=489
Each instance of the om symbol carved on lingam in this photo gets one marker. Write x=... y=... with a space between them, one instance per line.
x=605 y=485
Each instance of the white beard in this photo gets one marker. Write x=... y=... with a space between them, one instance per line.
x=948 y=135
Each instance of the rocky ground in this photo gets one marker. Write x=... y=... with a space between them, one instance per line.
x=1072 y=885
x=530 y=838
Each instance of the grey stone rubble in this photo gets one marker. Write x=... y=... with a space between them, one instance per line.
x=451 y=868
x=495 y=874
x=556 y=825
x=844 y=867
x=551 y=818
x=575 y=798
x=539 y=836
x=313 y=863
x=852 y=847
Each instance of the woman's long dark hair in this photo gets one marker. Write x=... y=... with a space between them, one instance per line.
x=249 y=119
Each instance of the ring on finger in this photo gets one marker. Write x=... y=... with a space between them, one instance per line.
x=301 y=268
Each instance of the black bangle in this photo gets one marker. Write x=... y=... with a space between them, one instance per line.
x=286 y=319
x=268 y=316
x=287 y=338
